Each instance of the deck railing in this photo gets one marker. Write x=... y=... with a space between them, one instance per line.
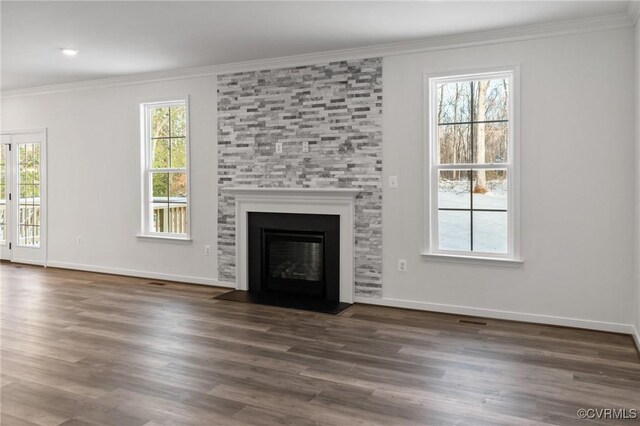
x=170 y=217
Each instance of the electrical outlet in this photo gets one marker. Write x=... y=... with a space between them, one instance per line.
x=207 y=250
x=393 y=181
x=79 y=240
x=402 y=265
x=278 y=147
x=305 y=146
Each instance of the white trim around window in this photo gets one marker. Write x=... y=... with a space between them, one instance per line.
x=179 y=205
x=431 y=237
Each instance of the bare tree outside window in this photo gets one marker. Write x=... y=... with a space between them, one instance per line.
x=472 y=147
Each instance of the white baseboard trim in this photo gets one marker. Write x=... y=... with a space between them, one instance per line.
x=396 y=303
x=140 y=274
x=505 y=315
x=636 y=337
x=28 y=262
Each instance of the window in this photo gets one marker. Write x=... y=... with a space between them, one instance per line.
x=29 y=194
x=3 y=192
x=166 y=169
x=473 y=180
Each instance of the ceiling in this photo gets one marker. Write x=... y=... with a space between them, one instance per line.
x=121 y=38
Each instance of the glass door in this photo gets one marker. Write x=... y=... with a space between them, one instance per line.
x=23 y=202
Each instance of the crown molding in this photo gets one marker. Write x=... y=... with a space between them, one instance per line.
x=507 y=35
x=634 y=11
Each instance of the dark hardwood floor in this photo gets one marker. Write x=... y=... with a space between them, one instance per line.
x=90 y=349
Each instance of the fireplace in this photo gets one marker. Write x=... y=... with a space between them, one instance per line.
x=294 y=255
x=294 y=247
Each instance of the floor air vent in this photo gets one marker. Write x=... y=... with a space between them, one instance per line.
x=472 y=322
x=155 y=283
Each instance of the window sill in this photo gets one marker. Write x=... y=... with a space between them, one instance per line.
x=474 y=260
x=15 y=246
x=186 y=239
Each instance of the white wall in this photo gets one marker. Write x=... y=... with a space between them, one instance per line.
x=578 y=192
x=94 y=177
x=577 y=184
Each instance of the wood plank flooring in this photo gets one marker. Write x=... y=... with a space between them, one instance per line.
x=81 y=348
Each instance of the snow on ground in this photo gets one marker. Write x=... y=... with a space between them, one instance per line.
x=489 y=228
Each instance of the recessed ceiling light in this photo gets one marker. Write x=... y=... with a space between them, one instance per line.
x=69 y=52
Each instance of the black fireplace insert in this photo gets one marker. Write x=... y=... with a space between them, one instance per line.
x=294 y=256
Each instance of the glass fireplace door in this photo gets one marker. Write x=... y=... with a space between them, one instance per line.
x=294 y=262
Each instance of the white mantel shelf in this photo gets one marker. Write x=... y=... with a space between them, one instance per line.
x=322 y=192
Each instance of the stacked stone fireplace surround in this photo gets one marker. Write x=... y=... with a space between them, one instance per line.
x=337 y=109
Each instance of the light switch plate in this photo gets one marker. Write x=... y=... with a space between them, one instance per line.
x=278 y=147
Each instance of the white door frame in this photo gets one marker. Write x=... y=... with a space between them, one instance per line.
x=5 y=144
x=26 y=254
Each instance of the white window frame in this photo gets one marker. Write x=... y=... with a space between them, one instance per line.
x=4 y=146
x=430 y=241
x=146 y=157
